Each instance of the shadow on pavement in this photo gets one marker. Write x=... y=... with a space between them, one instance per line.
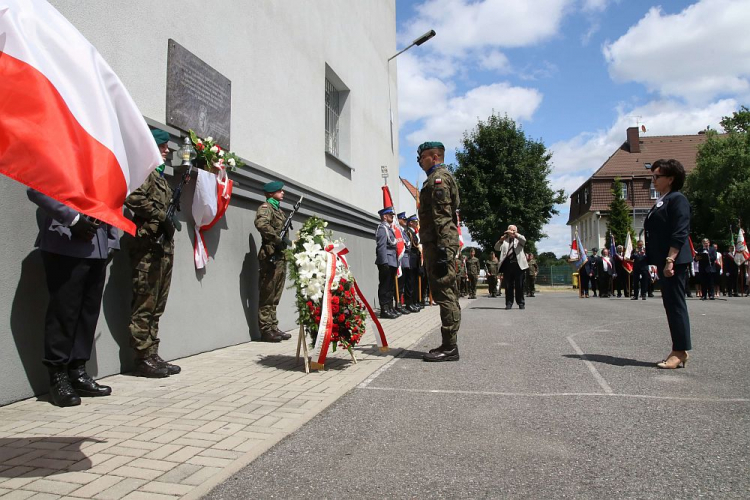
x=35 y=456
x=289 y=363
x=610 y=360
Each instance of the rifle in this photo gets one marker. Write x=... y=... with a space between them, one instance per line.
x=288 y=224
x=174 y=203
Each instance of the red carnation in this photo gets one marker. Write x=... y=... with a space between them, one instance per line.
x=335 y=300
x=335 y=308
x=342 y=318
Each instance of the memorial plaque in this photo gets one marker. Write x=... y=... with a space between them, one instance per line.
x=198 y=96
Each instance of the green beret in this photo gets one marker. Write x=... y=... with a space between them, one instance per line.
x=429 y=145
x=160 y=136
x=273 y=186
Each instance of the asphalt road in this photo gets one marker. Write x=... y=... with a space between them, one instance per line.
x=560 y=400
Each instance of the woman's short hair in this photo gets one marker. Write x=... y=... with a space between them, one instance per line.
x=671 y=168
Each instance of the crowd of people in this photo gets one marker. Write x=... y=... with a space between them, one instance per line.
x=710 y=274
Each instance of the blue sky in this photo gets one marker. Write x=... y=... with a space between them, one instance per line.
x=573 y=73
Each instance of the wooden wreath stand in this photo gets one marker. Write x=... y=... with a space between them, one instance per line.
x=302 y=344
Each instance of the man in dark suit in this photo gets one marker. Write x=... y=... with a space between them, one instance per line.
x=586 y=273
x=605 y=270
x=75 y=251
x=731 y=271
x=594 y=274
x=706 y=257
x=386 y=260
x=641 y=277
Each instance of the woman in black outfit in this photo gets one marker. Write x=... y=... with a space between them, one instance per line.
x=667 y=227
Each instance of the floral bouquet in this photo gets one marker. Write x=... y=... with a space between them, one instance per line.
x=213 y=155
x=311 y=266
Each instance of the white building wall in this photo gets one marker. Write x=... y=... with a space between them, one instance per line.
x=275 y=54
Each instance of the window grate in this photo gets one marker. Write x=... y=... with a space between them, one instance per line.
x=332 y=119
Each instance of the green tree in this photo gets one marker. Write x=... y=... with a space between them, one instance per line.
x=719 y=186
x=620 y=221
x=546 y=259
x=503 y=179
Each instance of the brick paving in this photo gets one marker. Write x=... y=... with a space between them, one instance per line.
x=180 y=436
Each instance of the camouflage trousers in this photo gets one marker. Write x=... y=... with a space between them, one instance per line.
x=442 y=281
x=473 y=278
x=270 y=285
x=152 y=276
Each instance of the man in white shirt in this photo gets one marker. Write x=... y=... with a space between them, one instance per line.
x=512 y=264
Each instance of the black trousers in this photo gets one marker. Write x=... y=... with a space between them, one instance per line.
x=406 y=285
x=605 y=284
x=731 y=288
x=584 y=279
x=707 y=283
x=514 y=284
x=673 y=297
x=386 y=284
x=641 y=281
x=75 y=289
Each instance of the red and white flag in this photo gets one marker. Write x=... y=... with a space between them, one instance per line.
x=400 y=244
x=742 y=254
x=460 y=235
x=210 y=202
x=68 y=126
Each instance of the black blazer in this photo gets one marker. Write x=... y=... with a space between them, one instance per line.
x=668 y=225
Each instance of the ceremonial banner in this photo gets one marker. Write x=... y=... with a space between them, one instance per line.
x=68 y=126
x=628 y=253
x=742 y=254
x=210 y=202
x=460 y=234
x=581 y=253
x=400 y=244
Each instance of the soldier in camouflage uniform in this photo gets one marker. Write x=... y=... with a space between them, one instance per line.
x=531 y=274
x=472 y=270
x=269 y=221
x=492 y=266
x=438 y=233
x=151 y=255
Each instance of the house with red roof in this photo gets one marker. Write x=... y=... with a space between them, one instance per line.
x=631 y=163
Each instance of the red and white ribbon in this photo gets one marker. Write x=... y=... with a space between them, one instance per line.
x=210 y=202
x=325 y=327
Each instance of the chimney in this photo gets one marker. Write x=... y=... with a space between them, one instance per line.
x=633 y=141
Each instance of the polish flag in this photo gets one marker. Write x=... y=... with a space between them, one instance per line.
x=400 y=244
x=742 y=254
x=210 y=202
x=458 y=227
x=68 y=126
x=628 y=253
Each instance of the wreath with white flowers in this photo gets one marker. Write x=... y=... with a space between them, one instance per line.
x=307 y=268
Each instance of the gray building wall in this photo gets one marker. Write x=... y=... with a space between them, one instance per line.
x=276 y=55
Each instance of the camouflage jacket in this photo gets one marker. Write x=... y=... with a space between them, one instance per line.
x=492 y=266
x=149 y=204
x=439 y=201
x=533 y=267
x=472 y=266
x=268 y=222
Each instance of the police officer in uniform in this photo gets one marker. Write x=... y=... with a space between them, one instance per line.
x=404 y=281
x=439 y=200
x=386 y=260
x=151 y=257
x=413 y=303
x=472 y=270
x=269 y=221
x=421 y=277
x=75 y=251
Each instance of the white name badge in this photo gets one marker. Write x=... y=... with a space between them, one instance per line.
x=659 y=204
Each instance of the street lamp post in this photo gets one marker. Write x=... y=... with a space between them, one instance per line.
x=419 y=41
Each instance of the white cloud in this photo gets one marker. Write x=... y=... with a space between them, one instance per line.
x=594 y=5
x=494 y=60
x=458 y=114
x=464 y=25
x=558 y=236
x=419 y=95
x=697 y=54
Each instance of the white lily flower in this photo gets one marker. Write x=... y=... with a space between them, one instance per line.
x=232 y=162
x=214 y=149
x=209 y=139
x=221 y=153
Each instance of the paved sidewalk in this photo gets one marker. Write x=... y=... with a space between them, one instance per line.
x=178 y=437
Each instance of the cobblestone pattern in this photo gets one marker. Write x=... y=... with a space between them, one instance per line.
x=175 y=437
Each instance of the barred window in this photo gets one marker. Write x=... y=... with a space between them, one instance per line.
x=624 y=191
x=333 y=111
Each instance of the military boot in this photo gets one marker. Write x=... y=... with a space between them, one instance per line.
x=83 y=384
x=394 y=311
x=442 y=353
x=61 y=393
x=385 y=312
x=171 y=369
x=403 y=310
x=269 y=337
x=413 y=308
x=282 y=334
x=147 y=366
